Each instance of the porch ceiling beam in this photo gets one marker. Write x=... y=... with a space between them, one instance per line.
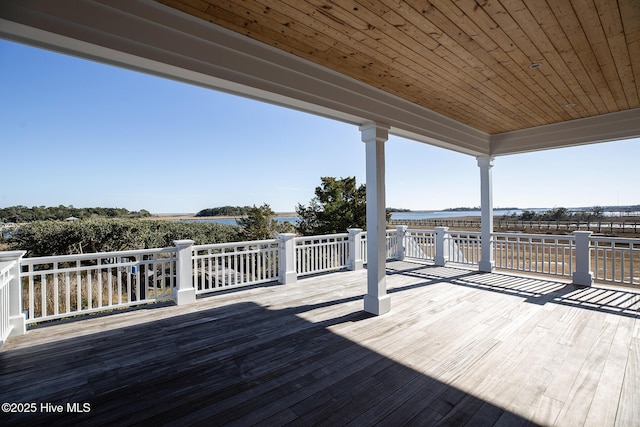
x=607 y=127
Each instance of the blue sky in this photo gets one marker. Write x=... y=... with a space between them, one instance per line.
x=79 y=133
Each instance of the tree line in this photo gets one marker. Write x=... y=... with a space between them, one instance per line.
x=225 y=211
x=561 y=214
x=338 y=204
x=19 y=214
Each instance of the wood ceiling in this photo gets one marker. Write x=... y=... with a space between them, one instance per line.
x=468 y=60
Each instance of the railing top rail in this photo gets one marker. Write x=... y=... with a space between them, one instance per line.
x=322 y=237
x=235 y=244
x=94 y=255
x=467 y=233
x=615 y=240
x=569 y=237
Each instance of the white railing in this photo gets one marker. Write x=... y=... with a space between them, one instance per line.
x=462 y=247
x=534 y=253
x=616 y=260
x=318 y=254
x=61 y=286
x=391 y=245
x=5 y=279
x=229 y=265
x=391 y=241
x=54 y=287
x=420 y=244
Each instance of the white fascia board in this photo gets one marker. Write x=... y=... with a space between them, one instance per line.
x=590 y=130
x=146 y=36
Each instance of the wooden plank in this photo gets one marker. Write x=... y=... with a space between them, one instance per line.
x=614 y=32
x=602 y=411
x=589 y=18
x=628 y=402
x=460 y=37
x=464 y=59
x=392 y=45
x=554 y=67
x=576 y=75
x=456 y=55
x=515 y=51
x=306 y=353
x=630 y=15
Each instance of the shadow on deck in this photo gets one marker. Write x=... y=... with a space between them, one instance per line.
x=450 y=353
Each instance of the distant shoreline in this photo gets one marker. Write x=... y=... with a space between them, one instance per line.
x=193 y=217
x=461 y=215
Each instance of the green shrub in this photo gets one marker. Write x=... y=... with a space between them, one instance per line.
x=43 y=238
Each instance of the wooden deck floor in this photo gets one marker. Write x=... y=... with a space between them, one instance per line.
x=459 y=347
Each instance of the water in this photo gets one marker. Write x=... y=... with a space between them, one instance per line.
x=410 y=215
x=232 y=221
x=394 y=215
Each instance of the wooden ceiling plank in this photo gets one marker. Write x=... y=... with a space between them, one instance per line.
x=245 y=21
x=194 y=8
x=581 y=85
x=369 y=69
x=502 y=82
x=242 y=23
x=588 y=16
x=539 y=22
x=389 y=87
x=201 y=5
x=259 y=25
x=363 y=40
x=399 y=53
x=507 y=54
x=614 y=32
x=389 y=48
x=630 y=14
x=409 y=45
x=601 y=97
x=459 y=59
x=465 y=59
x=547 y=80
x=452 y=52
x=554 y=67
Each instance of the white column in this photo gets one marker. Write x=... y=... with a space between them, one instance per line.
x=287 y=260
x=184 y=292
x=486 y=202
x=376 y=301
x=17 y=318
x=355 y=251
x=583 y=275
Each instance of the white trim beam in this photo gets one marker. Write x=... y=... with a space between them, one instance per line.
x=607 y=127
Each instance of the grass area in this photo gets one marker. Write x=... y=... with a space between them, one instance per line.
x=59 y=294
